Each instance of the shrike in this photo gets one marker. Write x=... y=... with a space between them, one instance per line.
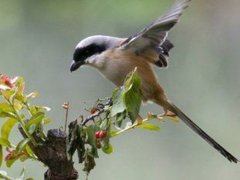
x=115 y=57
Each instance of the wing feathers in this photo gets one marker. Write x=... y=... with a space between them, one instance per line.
x=156 y=33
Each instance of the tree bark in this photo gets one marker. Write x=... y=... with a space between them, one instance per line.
x=53 y=153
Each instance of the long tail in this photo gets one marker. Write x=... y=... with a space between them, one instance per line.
x=201 y=133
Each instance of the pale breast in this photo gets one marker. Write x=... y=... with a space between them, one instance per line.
x=118 y=63
x=116 y=70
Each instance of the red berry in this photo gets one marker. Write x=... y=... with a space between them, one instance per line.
x=101 y=134
x=97 y=134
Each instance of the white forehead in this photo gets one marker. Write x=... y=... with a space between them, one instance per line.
x=99 y=40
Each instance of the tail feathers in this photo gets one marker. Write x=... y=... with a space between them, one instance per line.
x=200 y=132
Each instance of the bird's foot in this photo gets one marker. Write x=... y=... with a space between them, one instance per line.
x=168 y=113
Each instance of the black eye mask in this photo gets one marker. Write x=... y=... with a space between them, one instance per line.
x=83 y=53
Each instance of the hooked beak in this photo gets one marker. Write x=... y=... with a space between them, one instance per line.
x=75 y=65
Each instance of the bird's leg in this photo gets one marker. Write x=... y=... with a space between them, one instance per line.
x=169 y=113
x=162 y=100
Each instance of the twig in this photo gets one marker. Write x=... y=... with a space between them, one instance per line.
x=92 y=116
x=100 y=109
x=66 y=106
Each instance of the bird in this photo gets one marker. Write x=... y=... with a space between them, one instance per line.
x=115 y=57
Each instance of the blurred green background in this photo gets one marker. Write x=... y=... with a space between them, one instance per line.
x=37 y=39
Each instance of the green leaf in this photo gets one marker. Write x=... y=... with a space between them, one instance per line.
x=37 y=109
x=89 y=162
x=5 y=107
x=118 y=104
x=6 y=110
x=131 y=78
x=1 y=155
x=11 y=161
x=101 y=123
x=4 y=142
x=32 y=128
x=8 y=114
x=80 y=145
x=23 y=157
x=46 y=121
x=22 y=145
x=20 y=84
x=132 y=97
x=108 y=149
x=113 y=133
x=149 y=126
x=128 y=98
x=119 y=119
x=18 y=105
x=7 y=127
x=91 y=130
x=35 y=119
x=29 y=150
x=8 y=94
x=33 y=109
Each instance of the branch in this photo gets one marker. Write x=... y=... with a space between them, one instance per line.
x=100 y=108
x=57 y=149
x=53 y=153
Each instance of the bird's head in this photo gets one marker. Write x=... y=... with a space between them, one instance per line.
x=89 y=48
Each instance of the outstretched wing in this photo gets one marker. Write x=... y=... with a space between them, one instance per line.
x=155 y=34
